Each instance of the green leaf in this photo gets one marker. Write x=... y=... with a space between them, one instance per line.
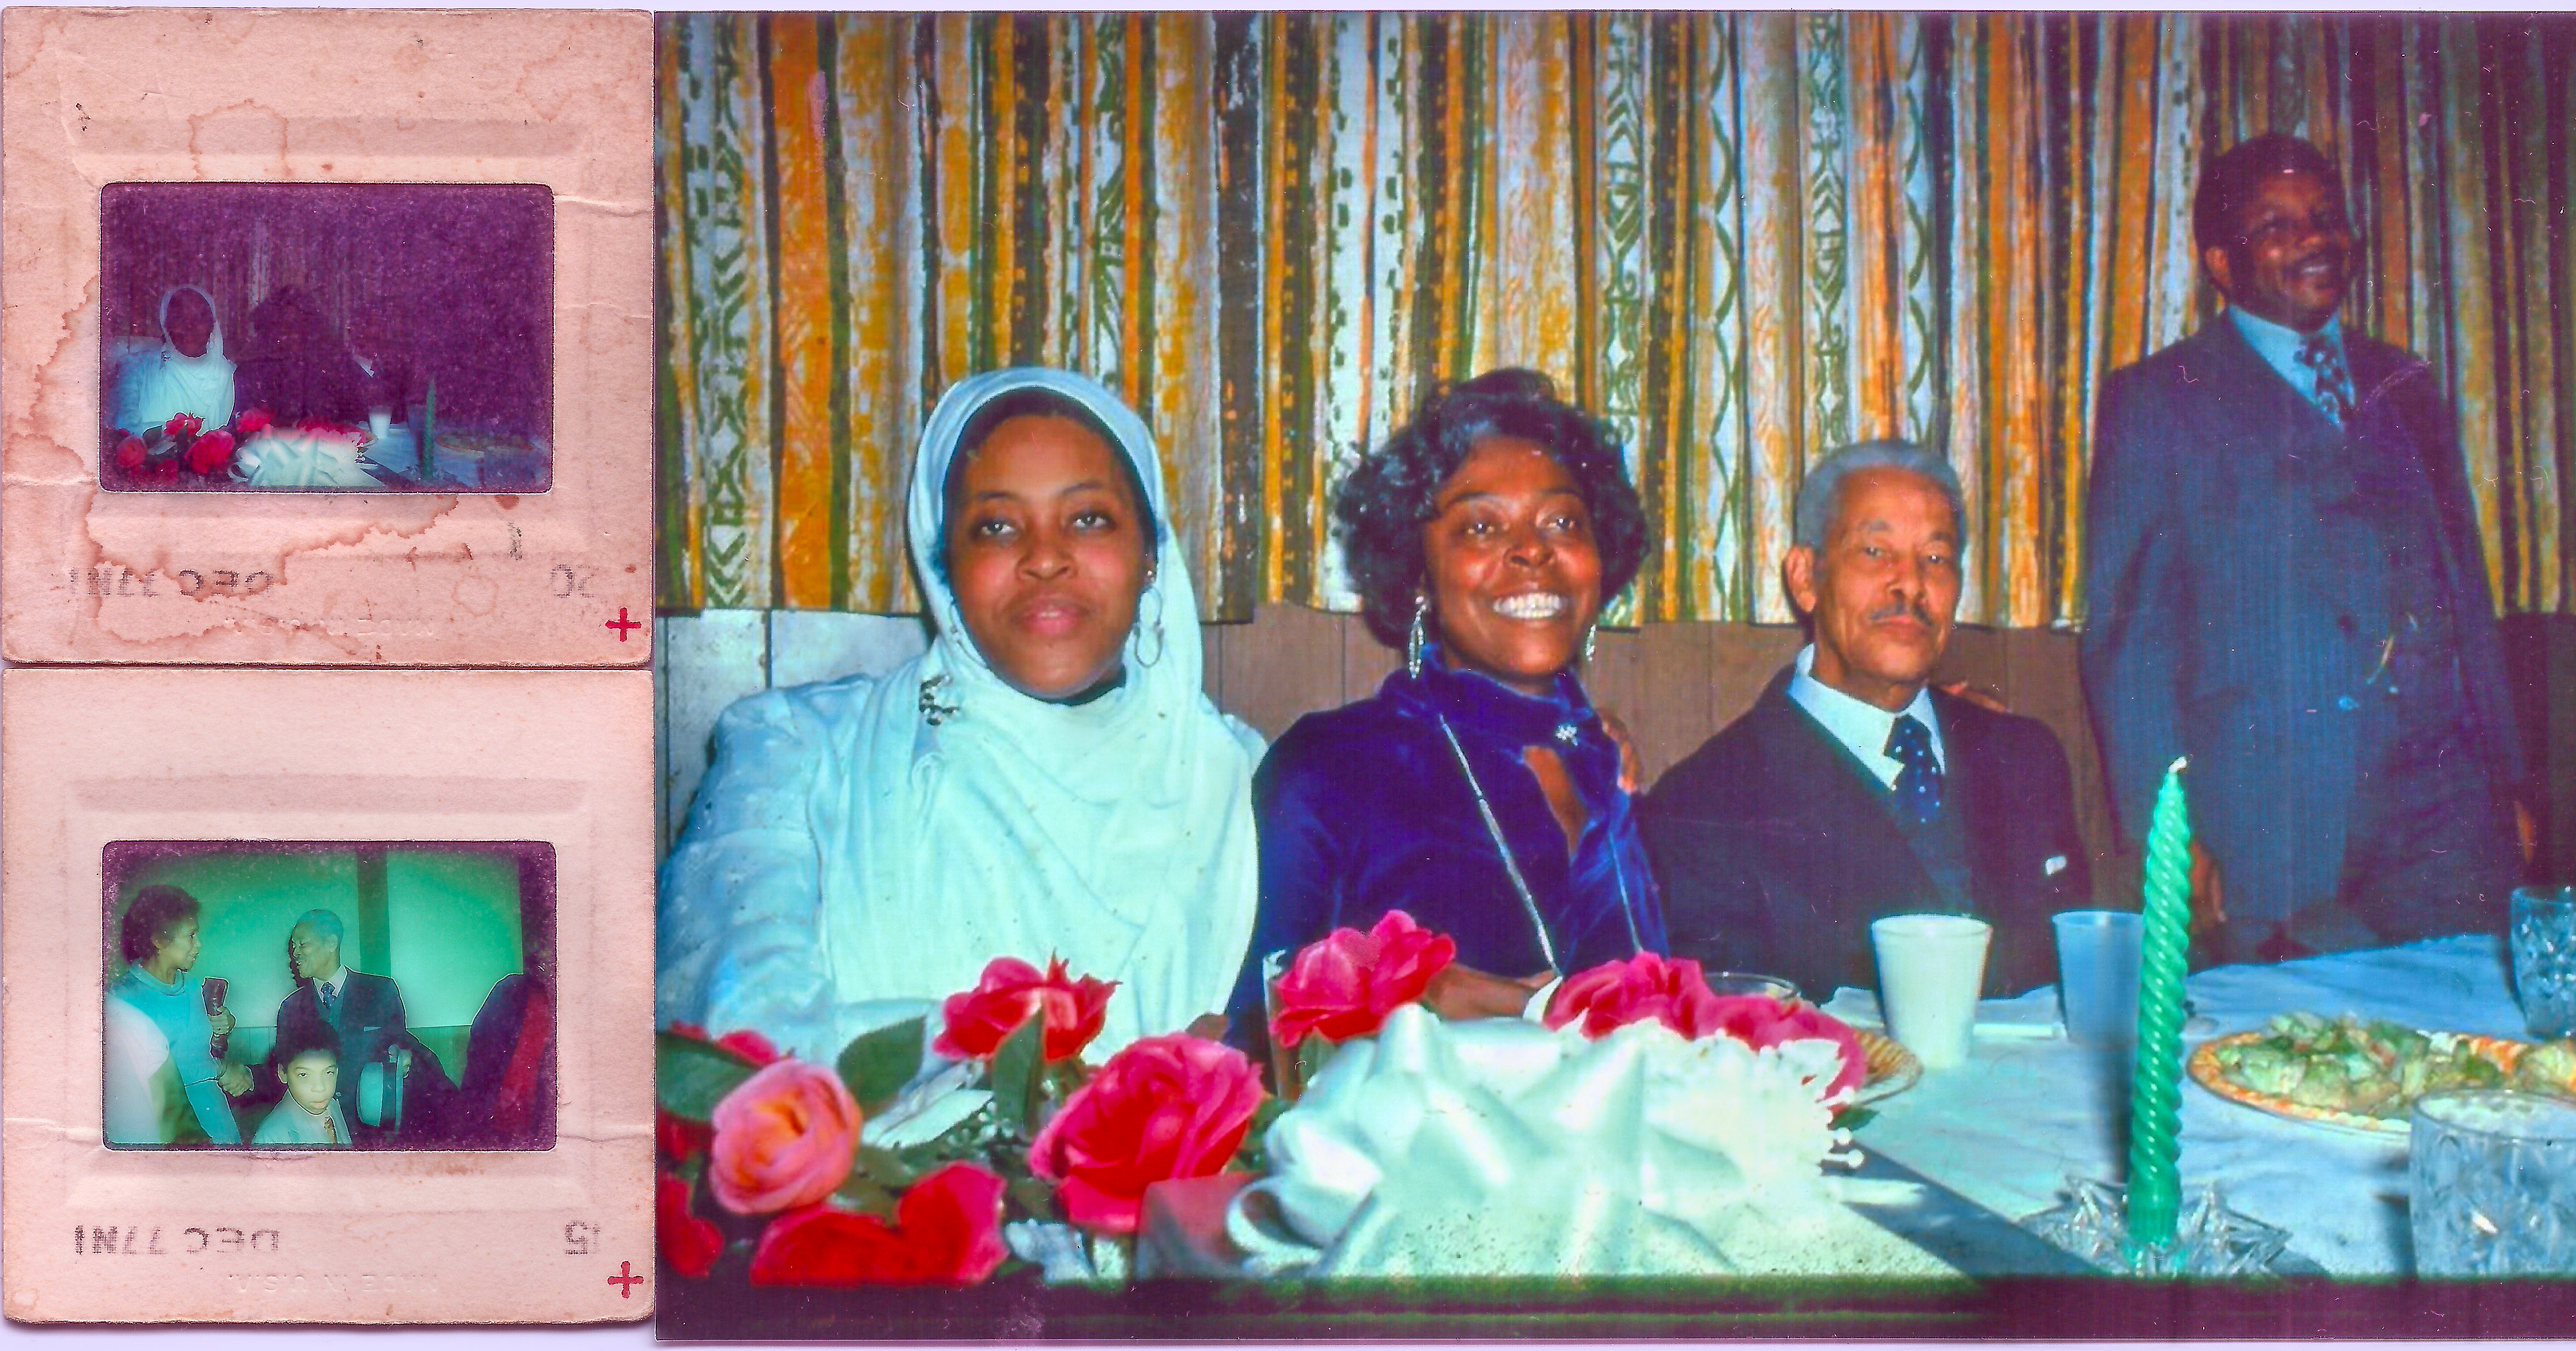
x=876 y=1065
x=691 y=1076
x=1016 y=1066
x=862 y=1195
x=1853 y=1118
x=886 y=1167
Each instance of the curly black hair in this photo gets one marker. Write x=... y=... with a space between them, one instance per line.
x=1035 y=402
x=149 y=919
x=1391 y=494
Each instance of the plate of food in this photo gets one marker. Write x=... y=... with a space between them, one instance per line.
x=1892 y=1068
x=2364 y=1076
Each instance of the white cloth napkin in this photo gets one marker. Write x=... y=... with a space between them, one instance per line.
x=2033 y=1015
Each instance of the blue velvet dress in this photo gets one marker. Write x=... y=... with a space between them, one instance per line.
x=1365 y=809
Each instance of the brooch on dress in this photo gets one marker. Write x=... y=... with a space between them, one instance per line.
x=1568 y=733
x=933 y=711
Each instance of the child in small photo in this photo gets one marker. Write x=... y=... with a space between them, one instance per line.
x=309 y=1114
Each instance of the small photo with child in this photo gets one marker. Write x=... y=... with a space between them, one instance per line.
x=329 y=995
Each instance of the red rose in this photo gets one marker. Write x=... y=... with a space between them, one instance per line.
x=131 y=453
x=210 y=453
x=184 y=426
x=1163 y=1108
x=981 y=1019
x=680 y=1138
x=252 y=423
x=1344 y=984
x=1760 y=1021
x=947 y=1231
x=785 y=1137
x=689 y=1244
x=1615 y=994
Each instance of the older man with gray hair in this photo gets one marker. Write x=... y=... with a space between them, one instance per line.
x=363 y=1013
x=1853 y=789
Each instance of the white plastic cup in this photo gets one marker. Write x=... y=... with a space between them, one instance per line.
x=1930 y=968
x=380 y=422
x=2098 y=955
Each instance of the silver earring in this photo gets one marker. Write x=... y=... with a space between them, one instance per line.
x=1154 y=630
x=1591 y=643
x=1413 y=644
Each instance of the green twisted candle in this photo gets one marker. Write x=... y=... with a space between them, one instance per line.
x=2155 y=1087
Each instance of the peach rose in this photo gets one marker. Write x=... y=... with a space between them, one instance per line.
x=785 y=1137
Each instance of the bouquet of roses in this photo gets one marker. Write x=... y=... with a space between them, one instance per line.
x=1345 y=984
x=156 y=456
x=854 y=1174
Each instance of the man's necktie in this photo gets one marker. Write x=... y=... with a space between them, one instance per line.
x=1918 y=784
x=328 y=1013
x=2324 y=358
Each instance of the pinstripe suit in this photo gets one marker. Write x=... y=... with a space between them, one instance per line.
x=2239 y=586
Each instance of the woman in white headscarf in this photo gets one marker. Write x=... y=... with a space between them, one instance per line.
x=188 y=373
x=1048 y=779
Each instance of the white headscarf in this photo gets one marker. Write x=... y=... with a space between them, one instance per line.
x=160 y=384
x=1116 y=833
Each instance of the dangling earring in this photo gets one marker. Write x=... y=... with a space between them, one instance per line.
x=1413 y=645
x=1154 y=629
x=1591 y=643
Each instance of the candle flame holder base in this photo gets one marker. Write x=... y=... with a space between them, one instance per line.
x=2209 y=1239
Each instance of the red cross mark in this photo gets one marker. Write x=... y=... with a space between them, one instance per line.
x=622 y=624
x=626 y=1280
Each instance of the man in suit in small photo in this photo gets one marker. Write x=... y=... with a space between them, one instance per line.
x=363 y=1013
x=2283 y=581
x=1852 y=789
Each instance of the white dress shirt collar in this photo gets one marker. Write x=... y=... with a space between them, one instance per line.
x=339 y=981
x=1860 y=726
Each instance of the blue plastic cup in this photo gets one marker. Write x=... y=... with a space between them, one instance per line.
x=2098 y=954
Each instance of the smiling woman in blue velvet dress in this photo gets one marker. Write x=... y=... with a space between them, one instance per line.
x=1478 y=790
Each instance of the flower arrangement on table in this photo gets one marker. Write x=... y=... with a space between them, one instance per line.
x=769 y=1159
x=182 y=452
x=1344 y=985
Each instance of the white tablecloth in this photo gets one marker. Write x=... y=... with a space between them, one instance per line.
x=2004 y=1129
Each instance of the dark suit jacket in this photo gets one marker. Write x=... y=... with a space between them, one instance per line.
x=370 y=1018
x=1775 y=847
x=2234 y=592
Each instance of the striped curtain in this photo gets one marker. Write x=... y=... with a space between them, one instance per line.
x=1742 y=239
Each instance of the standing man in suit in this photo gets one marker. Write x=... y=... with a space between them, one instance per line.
x=2283 y=581
x=1851 y=789
x=363 y=1013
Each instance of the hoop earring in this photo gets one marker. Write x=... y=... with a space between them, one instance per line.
x=1591 y=643
x=1155 y=629
x=1413 y=644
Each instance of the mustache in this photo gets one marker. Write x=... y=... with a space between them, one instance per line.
x=1901 y=610
x=2341 y=258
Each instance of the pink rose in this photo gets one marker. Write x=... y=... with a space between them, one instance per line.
x=981 y=1019
x=183 y=426
x=1344 y=984
x=947 y=1231
x=1165 y=1107
x=210 y=453
x=785 y=1137
x=1646 y=986
x=131 y=453
x=1759 y=1021
x=252 y=422
x=689 y=1243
